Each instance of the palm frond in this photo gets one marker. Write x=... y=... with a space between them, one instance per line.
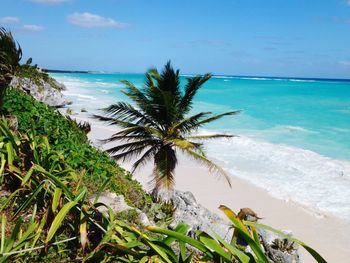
x=153 y=73
x=125 y=112
x=148 y=105
x=147 y=156
x=137 y=132
x=131 y=146
x=134 y=93
x=10 y=47
x=121 y=123
x=190 y=123
x=128 y=155
x=184 y=144
x=127 y=138
x=211 y=136
x=218 y=116
x=191 y=88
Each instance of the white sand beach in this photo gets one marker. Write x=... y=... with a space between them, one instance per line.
x=327 y=234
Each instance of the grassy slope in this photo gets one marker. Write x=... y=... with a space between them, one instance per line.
x=67 y=138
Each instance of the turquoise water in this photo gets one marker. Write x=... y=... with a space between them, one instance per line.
x=309 y=114
x=294 y=134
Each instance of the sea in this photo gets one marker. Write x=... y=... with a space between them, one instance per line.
x=293 y=134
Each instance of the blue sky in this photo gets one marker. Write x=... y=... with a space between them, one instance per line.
x=301 y=38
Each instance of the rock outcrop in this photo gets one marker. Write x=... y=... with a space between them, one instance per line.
x=42 y=91
x=198 y=217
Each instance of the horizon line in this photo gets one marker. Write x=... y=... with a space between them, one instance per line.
x=195 y=74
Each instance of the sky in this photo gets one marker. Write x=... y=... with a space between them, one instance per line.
x=295 y=38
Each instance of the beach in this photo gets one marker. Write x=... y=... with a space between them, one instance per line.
x=326 y=234
x=288 y=162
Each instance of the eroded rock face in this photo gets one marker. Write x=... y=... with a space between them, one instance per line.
x=197 y=217
x=41 y=91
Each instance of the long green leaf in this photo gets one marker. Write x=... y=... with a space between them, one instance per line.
x=180 y=228
x=27 y=176
x=2 y=168
x=158 y=249
x=14 y=235
x=56 y=199
x=26 y=236
x=59 y=219
x=213 y=245
x=244 y=232
x=40 y=229
x=167 y=249
x=28 y=200
x=233 y=250
x=55 y=180
x=312 y=252
x=190 y=241
x=10 y=153
x=3 y=226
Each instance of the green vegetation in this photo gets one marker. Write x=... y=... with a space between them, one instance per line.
x=10 y=56
x=159 y=125
x=48 y=172
x=47 y=216
x=68 y=139
x=39 y=77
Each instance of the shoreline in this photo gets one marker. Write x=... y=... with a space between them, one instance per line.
x=315 y=230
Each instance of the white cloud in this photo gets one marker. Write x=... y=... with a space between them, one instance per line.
x=348 y=2
x=48 y=2
x=345 y=63
x=89 y=20
x=30 y=28
x=9 y=20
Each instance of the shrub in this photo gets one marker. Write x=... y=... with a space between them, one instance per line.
x=71 y=142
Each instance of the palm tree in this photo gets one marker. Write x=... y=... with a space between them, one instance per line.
x=10 y=56
x=158 y=125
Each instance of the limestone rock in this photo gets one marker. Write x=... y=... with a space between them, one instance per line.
x=41 y=91
x=196 y=216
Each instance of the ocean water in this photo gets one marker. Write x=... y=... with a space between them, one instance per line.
x=294 y=134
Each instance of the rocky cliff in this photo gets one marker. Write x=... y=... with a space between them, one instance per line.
x=49 y=93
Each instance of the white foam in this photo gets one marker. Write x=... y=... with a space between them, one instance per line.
x=301 y=80
x=289 y=173
x=292 y=128
x=256 y=78
x=85 y=93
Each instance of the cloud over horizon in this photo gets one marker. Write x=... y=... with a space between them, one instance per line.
x=89 y=20
x=9 y=20
x=49 y=2
x=30 y=28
